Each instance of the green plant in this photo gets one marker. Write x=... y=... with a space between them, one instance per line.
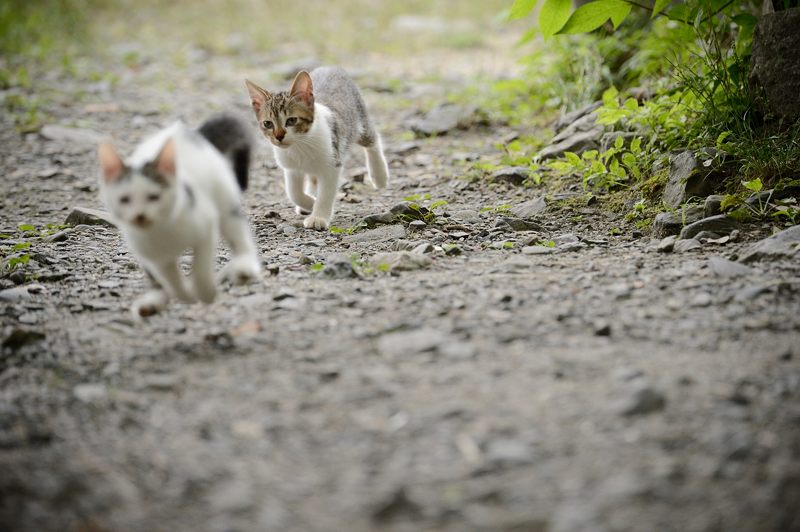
x=348 y=230
x=415 y=211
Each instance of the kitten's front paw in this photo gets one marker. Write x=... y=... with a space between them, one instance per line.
x=316 y=222
x=301 y=211
x=150 y=304
x=241 y=270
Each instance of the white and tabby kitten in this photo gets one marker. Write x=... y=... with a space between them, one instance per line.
x=311 y=128
x=177 y=191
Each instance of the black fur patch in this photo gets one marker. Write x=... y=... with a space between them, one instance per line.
x=231 y=137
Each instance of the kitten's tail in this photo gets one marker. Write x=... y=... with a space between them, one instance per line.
x=231 y=136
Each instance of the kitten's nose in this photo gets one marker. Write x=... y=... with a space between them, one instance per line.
x=279 y=134
x=140 y=220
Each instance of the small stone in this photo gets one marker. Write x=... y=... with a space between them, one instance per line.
x=81 y=136
x=530 y=208
x=568 y=238
x=723 y=267
x=379 y=234
x=513 y=175
x=60 y=236
x=374 y=220
x=339 y=267
x=688 y=177
x=641 y=399
x=713 y=205
x=671 y=223
x=423 y=249
x=417 y=225
x=90 y=392
x=706 y=236
x=396 y=506
x=518 y=224
x=681 y=246
x=87 y=216
x=18 y=293
x=444 y=118
x=288 y=229
x=453 y=249
x=458 y=350
x=538 y=250
x=720 y=224
x=702 y=299
x=667 y=244
x=401 y=261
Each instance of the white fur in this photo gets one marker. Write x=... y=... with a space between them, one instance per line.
x=179 y=223
x=310 y=174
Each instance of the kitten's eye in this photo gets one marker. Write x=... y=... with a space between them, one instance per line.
x=291 y=121
x=124 y=200
x=153 y=197
x=267 y=124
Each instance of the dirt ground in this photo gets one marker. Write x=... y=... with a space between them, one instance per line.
x=596 y=385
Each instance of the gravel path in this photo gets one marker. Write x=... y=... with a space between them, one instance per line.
x=566 y=376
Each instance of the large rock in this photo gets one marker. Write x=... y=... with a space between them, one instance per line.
x=691 y=175
x=719 y=224
x=572 y=117
x=775 y=63
x=783 y=245
x=530 y=208
x=576 y=143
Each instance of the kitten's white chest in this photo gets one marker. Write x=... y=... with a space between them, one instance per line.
x=313 y=153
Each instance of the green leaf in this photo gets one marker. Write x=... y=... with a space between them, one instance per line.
x=436 y=204
x=636 y=145
x=610 y=96
x=755 y=185
x=721 y=138
x=659 y=6
x=26 y=227
x=553 y=15
x=619 y=142
x=573 y=159
x=521 y=9
x=745 y=20
x=21 y=246
x=591 y=16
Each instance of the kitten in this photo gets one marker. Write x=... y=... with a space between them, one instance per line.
x=311 y=128
x=178 y=192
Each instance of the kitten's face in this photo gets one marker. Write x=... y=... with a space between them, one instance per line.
x=284 y=118
x=139 y=197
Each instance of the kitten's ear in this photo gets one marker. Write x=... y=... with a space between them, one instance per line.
x=165 y=162
x=302 y=88
x=258 y=96
x=110 y=162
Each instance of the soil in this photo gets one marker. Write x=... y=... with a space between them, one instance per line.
x=590 y=383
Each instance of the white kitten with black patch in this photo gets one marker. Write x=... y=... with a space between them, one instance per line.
x=177 y=192
x=311 y=127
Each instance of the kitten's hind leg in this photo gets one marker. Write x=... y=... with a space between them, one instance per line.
x=245 y=263
x=376 y=162
x=151 y=302
x=294 y=189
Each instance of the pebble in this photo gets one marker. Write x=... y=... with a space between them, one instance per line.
x=403 y=343
x=682 y=246
x=641 y=399
x=339 y=267
x=401 y=261
x=667 y=244
x=538 y=250
x=508 y=453
x=19 y=337
x=379 y=234
x=720 y=224
x=90 y=392
x=530 y=208
x=87 y=216
x=723 y=267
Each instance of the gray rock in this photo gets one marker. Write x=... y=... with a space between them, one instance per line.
x=404 y=343
x=514 y=175
x=783 y=245
x=775 y=63
x=417 y=225
x=379 y=234
x=689 y=177
x=641 y=399
x=704 y=236
x=712 y=205
x=720 y=224
x=671 y=223
x=401 y=261
x=518 y=224
x=568 y=238
x=458 y=350
x=339 y=267
x=72 y=135
x=423 y=249
x=570 y=118
x=530 y=208
x=374 y=220
x=18 y=293
x=445 y=118
x=577 y=143
x=667 y=244
x=682 y=246
x=538 y=250
x=723 y=267
x=87 y=216
x=90 y=392
x=587 y=122
x=60 y=236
